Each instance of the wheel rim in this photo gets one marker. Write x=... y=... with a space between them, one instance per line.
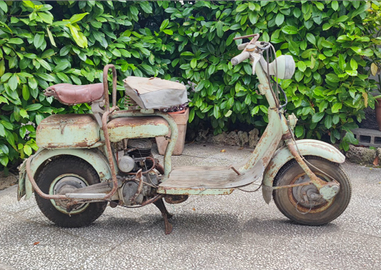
x=307 y=199
x=64 y=184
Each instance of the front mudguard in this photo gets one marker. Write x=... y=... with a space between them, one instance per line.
x=283 y=155
x=92 y=156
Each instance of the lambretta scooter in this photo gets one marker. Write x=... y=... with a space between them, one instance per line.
x=87 y=161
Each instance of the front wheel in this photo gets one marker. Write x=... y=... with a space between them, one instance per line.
x=64 y=175
x=303 y=204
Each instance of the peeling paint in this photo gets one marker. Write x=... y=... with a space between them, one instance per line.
x=137 y=127
x=68 y=131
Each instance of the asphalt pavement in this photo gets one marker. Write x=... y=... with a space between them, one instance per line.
x=238 y=231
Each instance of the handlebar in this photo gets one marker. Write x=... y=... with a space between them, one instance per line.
x=242 y=46
x=245 y=54
x=239 y=58
x=252 y=35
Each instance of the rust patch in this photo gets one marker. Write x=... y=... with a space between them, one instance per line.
x=82 y=144
x=302 y=209
x=266 y=160
x=136 y=122
x=193 y=191
x=286 y=136
x=57 y=119
x=175 y=199
x=316 y=180
x=109 y=153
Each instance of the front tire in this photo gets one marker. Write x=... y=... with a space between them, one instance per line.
x=63 y=175
x=301 y=204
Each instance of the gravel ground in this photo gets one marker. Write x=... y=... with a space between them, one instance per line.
x=239 y=231
x=7 y=181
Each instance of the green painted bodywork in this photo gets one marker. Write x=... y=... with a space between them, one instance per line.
x=261 y=155
x=199 y=191
x=136 y=127
x=68 y=131
x=93 y=156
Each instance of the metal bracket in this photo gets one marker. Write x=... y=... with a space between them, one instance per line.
x=98 y=111
x=330 y=190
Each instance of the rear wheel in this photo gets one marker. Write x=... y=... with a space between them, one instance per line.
x=63 y=175
x=303 y=204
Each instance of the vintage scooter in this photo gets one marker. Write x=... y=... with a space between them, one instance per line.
x=86 y=161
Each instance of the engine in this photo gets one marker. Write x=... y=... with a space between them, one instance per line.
x=133 y=158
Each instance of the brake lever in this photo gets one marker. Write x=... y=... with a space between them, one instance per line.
x=243 y=45
x=256 y=58
x=252 y=35
x=263 y=45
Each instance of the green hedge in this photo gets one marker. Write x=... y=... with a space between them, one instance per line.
x=53 y=42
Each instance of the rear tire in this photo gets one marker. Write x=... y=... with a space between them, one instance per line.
x=68 y=173
x=292 y=201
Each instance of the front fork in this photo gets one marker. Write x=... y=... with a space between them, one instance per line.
x=327 y=190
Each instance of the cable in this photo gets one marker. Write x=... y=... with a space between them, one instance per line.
x=284 y=94
x=276 y=75
x=304 y=159
x=249 y=191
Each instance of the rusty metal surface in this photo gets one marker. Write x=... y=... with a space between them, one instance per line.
x=137 y=127
x=195 y=191
x=111 y=164
x=110 y=158
x=287 y=136
x=105 y=85
x=175 y=199
x=316 y=180
x=109 y=153
x=93 y=156
x=68 y=131
x=321 y=207
x=293 y=185
x=254 y=36
x=307 y=148
x=35 y=186
x=152 y=200
x=172 y=125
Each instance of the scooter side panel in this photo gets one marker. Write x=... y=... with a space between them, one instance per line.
x=136 y=127
x=283 y=155
x=93 y=156
x=68 y=131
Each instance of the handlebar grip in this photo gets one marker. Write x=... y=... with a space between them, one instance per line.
x=239 y=58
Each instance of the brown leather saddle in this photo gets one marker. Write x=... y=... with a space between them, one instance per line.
x=75 y=94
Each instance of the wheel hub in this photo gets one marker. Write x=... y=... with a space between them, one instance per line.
x=307 y=196
x=67 y=184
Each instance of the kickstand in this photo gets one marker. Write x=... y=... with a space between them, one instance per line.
x=164 y=212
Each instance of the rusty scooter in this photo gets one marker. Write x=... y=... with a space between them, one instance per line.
x=85 y=162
